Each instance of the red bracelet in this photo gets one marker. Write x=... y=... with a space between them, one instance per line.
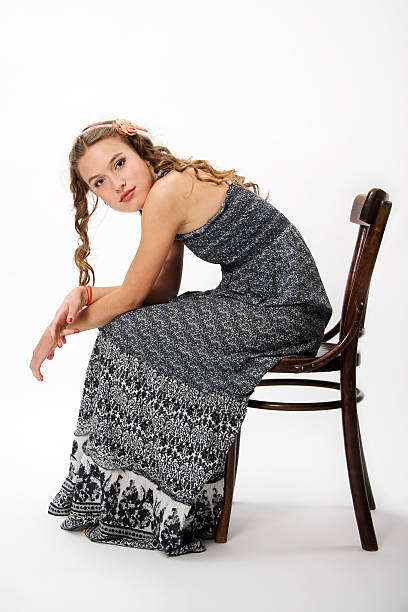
x=89 y=300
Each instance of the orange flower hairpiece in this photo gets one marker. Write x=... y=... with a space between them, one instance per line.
x=127 y=128
x=122 y=125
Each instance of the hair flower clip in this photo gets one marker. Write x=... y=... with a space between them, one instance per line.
x=127 y=128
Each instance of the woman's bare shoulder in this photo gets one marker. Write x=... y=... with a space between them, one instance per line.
x=176 y=182
x=176 y=188
x=193 y=201
x=166 y=199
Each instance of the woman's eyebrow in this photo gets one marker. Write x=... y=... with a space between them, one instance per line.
x=111 y=162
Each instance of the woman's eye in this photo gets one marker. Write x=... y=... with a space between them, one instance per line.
x=123 y=159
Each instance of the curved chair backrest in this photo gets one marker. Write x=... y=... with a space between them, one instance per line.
x=371 y=213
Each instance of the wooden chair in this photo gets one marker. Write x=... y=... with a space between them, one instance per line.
x=371 y=213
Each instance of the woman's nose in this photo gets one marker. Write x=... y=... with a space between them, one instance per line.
x=120 y=184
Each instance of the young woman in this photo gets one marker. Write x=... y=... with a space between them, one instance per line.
x=169 y=377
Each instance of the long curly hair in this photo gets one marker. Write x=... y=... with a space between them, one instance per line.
x=159 y=157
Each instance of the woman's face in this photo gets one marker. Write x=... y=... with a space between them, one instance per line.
x=111 y=168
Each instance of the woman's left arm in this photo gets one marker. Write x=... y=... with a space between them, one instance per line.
x=160 y=221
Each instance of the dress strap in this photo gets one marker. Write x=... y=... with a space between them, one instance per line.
x=162 y=173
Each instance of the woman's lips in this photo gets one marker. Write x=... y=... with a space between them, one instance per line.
x=127 y=195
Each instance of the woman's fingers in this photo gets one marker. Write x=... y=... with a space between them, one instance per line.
x=55 y=331
x=35 y=368
x=58 y=323
x=65 y=332
x=68 y=332
x=61 y=340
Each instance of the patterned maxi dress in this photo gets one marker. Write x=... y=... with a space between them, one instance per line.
x=167 y=385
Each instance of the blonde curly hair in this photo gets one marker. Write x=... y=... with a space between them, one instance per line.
x=159 y=157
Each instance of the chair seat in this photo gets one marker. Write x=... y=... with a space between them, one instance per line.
x=287 y=364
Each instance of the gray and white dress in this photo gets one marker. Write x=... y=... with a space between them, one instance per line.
x=167 y=385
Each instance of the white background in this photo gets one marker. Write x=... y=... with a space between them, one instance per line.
x=307 y=99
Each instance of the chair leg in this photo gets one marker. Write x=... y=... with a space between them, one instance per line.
x=238 y=439
x=354 y=455
x=369 y=491
x=229 y=479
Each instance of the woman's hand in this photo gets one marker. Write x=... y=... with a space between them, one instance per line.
x=44 y=349
x=66 y=313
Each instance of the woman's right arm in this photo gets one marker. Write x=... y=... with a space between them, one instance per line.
x=168 y=282
x=99 y=292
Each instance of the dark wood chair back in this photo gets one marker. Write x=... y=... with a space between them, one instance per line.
x=371 y=212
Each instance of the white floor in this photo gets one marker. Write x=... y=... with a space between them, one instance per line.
x=278 y=557
x=293 y=541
